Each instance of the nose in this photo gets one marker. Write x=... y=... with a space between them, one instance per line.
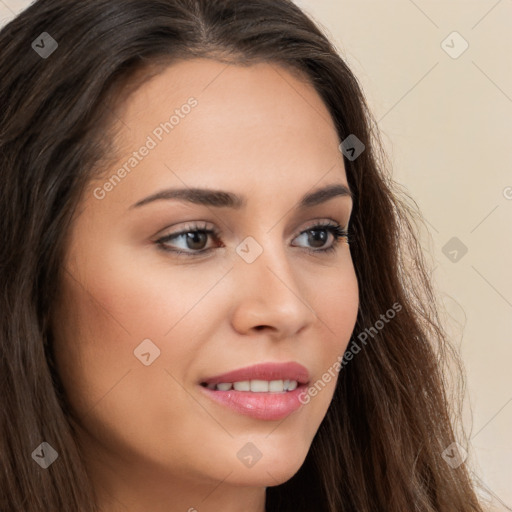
x=269 y=297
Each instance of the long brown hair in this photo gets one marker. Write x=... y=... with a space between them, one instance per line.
x=380 y=445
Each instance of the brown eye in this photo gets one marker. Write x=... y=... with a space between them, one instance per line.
x=317 y=236
x=191 y=241
x=195 y=240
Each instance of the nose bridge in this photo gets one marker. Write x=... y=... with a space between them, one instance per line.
x=271 y=295
x=265 y=262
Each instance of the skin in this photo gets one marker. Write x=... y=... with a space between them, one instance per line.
x=151 y=439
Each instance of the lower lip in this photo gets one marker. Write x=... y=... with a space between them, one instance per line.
x=262 y=406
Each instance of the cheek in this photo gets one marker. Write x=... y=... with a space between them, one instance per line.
x=137 y=295
x=336 y=304
x=98 y=325
x=91 y=347
x=153 y=294
x=111 y=305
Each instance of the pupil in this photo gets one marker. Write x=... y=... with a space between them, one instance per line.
x=321 y=236
x=193 y=237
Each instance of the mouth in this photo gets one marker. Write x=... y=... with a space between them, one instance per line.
x=267 y=391
x=255 y=386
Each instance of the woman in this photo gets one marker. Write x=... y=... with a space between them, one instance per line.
x=292 y=363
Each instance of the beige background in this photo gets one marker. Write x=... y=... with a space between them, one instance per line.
x=447 y=126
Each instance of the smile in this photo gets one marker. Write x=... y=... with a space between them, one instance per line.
x=255 y=386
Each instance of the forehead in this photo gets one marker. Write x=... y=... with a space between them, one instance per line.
x=215 y=124
x=233 y=102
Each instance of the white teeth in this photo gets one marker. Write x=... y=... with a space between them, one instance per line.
x=292 y=385
x=257 y=386
x=276 y=385
x=244 y=385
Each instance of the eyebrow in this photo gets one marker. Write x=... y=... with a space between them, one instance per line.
x=224 y=199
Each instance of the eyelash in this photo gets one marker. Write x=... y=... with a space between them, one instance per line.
x=334 y=228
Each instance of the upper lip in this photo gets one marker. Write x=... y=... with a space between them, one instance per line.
x=263 y=371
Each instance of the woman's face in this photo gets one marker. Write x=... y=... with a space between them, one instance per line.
x=139 y=328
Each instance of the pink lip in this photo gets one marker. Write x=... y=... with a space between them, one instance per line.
x=263 y=406
x=265 y=371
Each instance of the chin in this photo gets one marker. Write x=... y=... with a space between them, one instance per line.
x=277 y=465
x=265 y=476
